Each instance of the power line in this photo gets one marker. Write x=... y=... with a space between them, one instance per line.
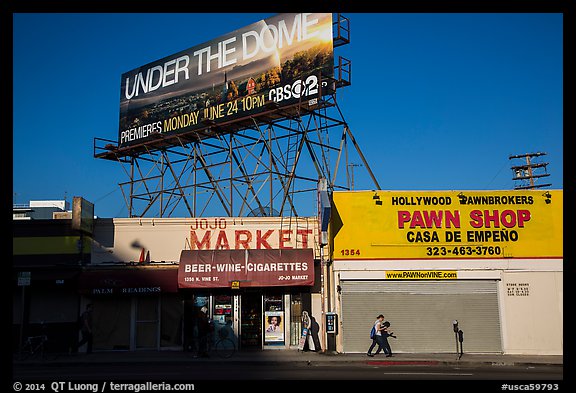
x=110 y=193
x=495 y=176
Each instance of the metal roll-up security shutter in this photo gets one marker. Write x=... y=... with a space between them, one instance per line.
x=421 y=314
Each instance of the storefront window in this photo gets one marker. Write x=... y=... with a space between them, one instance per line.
x=295 y=318
x=147 y=322
x=251 y=320
x=222 y=313
x=200 y=300
x=111 y=323
x=274 y=320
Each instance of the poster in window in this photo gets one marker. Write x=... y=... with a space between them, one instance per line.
x=274 y=332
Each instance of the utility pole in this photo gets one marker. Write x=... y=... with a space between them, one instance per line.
x=527 y=173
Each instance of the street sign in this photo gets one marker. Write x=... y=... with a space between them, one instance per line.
x=24 y=279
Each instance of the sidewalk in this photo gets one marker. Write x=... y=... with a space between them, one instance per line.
x=317 y=358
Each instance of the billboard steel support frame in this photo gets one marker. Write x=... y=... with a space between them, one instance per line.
x=285 y=155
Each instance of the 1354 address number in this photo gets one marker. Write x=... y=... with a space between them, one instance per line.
x=350 y=252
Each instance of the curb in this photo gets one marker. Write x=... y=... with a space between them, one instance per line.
x=298 y=359
x=309 y=362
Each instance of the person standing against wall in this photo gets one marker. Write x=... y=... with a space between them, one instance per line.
x=204 y=332
x=306 y=337
x=86 y=328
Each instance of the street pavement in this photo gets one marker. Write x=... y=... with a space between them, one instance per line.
x=317 y=358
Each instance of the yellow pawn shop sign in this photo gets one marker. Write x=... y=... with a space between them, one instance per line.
x=447 y=224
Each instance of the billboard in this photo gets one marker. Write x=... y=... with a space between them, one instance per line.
x=278 y=60
x=447 y=224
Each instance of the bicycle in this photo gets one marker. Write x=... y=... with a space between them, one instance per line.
x=35 y=347
x=224 y=346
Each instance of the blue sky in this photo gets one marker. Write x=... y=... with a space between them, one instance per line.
x=437 y=101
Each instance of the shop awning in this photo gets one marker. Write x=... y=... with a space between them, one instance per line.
x=246 y=268
x=129 y=281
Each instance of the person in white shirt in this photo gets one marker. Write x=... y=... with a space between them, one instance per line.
x=377 y=339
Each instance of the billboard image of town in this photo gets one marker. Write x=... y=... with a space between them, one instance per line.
x=282 y=59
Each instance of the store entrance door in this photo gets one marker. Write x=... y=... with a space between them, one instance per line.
x=251 y=321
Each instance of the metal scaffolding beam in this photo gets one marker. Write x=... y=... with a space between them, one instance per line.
x=267 y=168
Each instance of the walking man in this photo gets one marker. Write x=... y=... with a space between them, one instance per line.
x=377 y=338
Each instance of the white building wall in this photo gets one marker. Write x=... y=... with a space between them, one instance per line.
x=122 y=239
x=530 y=295
x=532 y=310
x=62 y=205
